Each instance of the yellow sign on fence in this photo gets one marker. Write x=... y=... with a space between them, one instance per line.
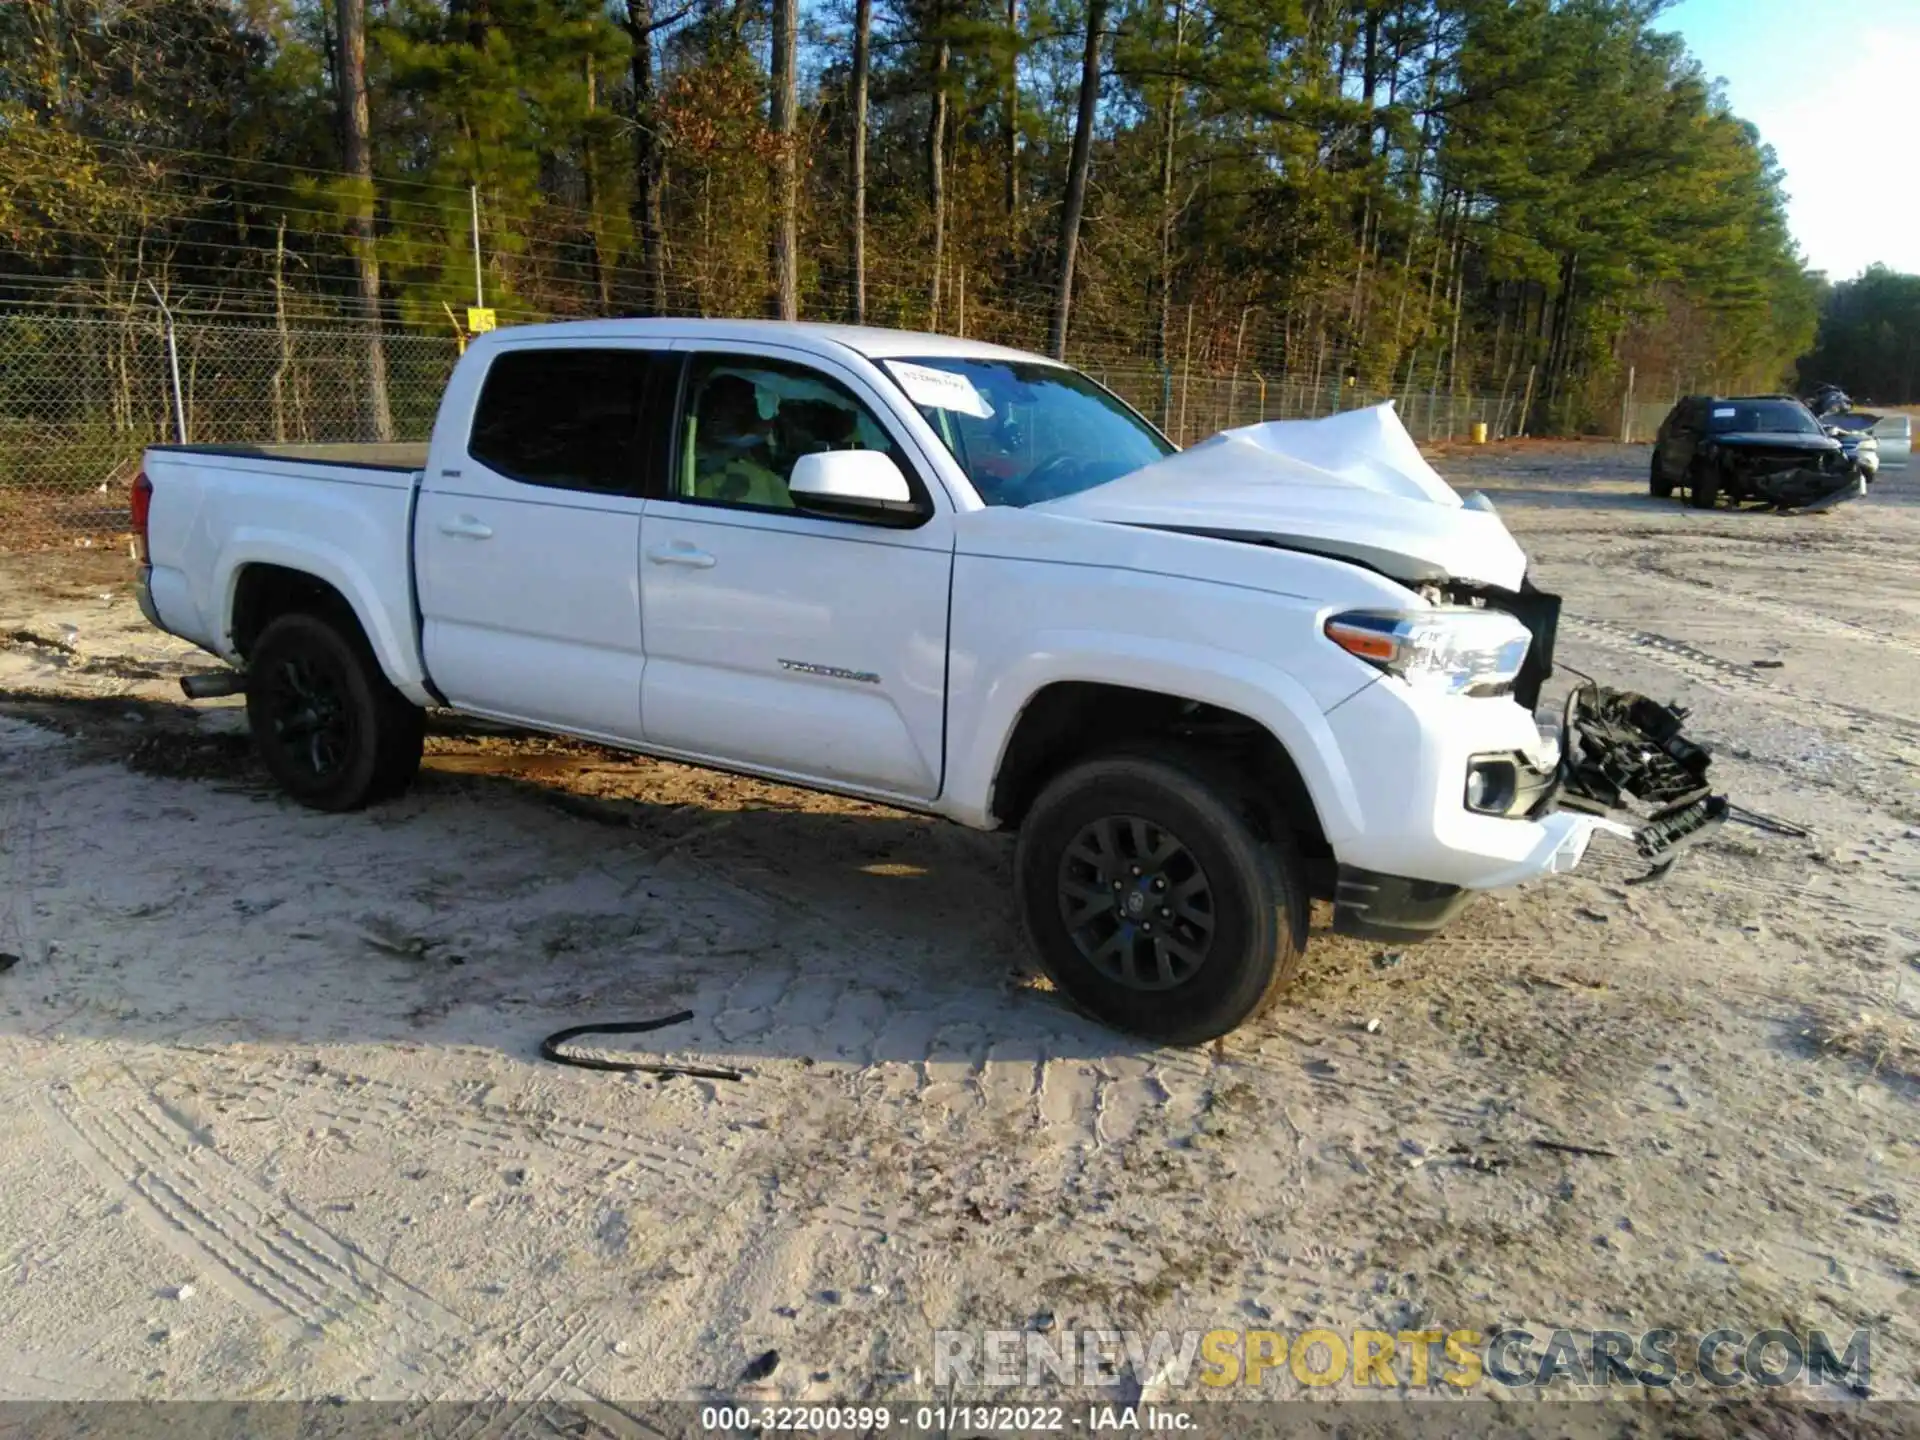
x=479 y=321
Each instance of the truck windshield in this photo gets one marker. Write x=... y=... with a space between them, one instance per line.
x=1763 y=417
x=1025 y=431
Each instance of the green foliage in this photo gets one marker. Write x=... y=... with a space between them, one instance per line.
x=1869 y=341
x=1432 y=193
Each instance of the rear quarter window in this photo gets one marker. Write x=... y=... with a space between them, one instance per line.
x=564 y=418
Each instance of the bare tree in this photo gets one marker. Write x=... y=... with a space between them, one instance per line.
x=1013 y=107
x=603 y=256
x=937 y=166
x=1169 y=134
x=350 y=75
x=785 y=102
x=862 y=62
x=1077 y=165
x=646 y=207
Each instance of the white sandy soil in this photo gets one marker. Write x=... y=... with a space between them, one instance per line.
x=275 y=1124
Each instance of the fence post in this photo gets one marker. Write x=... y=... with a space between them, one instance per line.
x=173 y=362
x=1526 y=404
x=1233 y=385
x=479 y=283
x=1626 y=411
x=1186 y=375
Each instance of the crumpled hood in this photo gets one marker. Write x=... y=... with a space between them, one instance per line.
x=1352 y=485
x=1774 y=440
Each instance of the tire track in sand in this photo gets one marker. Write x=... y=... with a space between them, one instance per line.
x=302 y=1278
x=363 y=1103
x=1716 y=673
x=276 y=1261
x=1796 y=616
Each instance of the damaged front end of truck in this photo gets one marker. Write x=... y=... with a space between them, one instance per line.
x=1624 y=757
x=1354 y=487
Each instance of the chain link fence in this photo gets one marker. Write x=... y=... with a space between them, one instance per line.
x=1191 y=407
x=81 y=396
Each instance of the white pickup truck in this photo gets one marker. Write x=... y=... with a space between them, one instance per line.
x=1204 y=687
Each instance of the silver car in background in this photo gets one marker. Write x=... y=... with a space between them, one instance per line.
x=1894 y=434
x=1857 y=442
x=1865 y=438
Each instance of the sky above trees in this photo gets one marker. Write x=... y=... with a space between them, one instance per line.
x=1831 y=88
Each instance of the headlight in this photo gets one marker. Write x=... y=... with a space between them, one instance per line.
x=1448 y=650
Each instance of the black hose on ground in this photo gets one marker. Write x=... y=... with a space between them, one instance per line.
x=550 y=1050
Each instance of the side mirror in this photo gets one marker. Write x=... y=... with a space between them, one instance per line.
x=853 y=485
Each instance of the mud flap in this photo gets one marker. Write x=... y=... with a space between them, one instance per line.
x=1621 y=752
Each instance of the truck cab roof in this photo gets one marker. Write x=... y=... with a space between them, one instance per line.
x=871 y=341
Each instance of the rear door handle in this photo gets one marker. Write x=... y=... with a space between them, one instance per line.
x=681 y=553
x=466 y=527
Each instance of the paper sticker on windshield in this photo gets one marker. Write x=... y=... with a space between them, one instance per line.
x=1723 y=412
x=940 y=389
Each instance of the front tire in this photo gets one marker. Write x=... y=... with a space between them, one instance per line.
x=1658 y=485
x=1152 y=901
x=1703 y=485
x=328 y=725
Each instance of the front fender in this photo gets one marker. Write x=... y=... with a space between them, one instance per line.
x=1205 y=674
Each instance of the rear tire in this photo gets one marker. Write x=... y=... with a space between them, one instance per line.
x=1703 y=485
x=328 y=725
x=1658 y=485
x=1152 y=901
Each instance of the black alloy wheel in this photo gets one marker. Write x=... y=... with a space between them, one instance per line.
x=328 y=724
x=309 y=721
x=1161 y=895
x=1136 y=902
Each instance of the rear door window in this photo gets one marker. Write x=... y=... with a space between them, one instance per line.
x=568 y=419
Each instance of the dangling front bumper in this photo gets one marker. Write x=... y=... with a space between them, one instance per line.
x=1619 y=766
x=1621 y=748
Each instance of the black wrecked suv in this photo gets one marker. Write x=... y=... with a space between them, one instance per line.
x=1749 y=447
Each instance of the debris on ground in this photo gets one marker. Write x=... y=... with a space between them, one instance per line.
x=760 y=1367
x=1624 y=753
x=1886 y=1044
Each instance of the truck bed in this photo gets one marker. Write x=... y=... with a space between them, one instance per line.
x=340 y=513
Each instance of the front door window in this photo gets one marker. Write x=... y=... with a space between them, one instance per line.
x=749 y=419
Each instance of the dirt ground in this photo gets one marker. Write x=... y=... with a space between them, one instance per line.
x=276 y=1125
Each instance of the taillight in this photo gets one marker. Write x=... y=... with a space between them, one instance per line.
x=140 y=503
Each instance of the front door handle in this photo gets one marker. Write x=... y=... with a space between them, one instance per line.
x=681 y=553
x=466 y=527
